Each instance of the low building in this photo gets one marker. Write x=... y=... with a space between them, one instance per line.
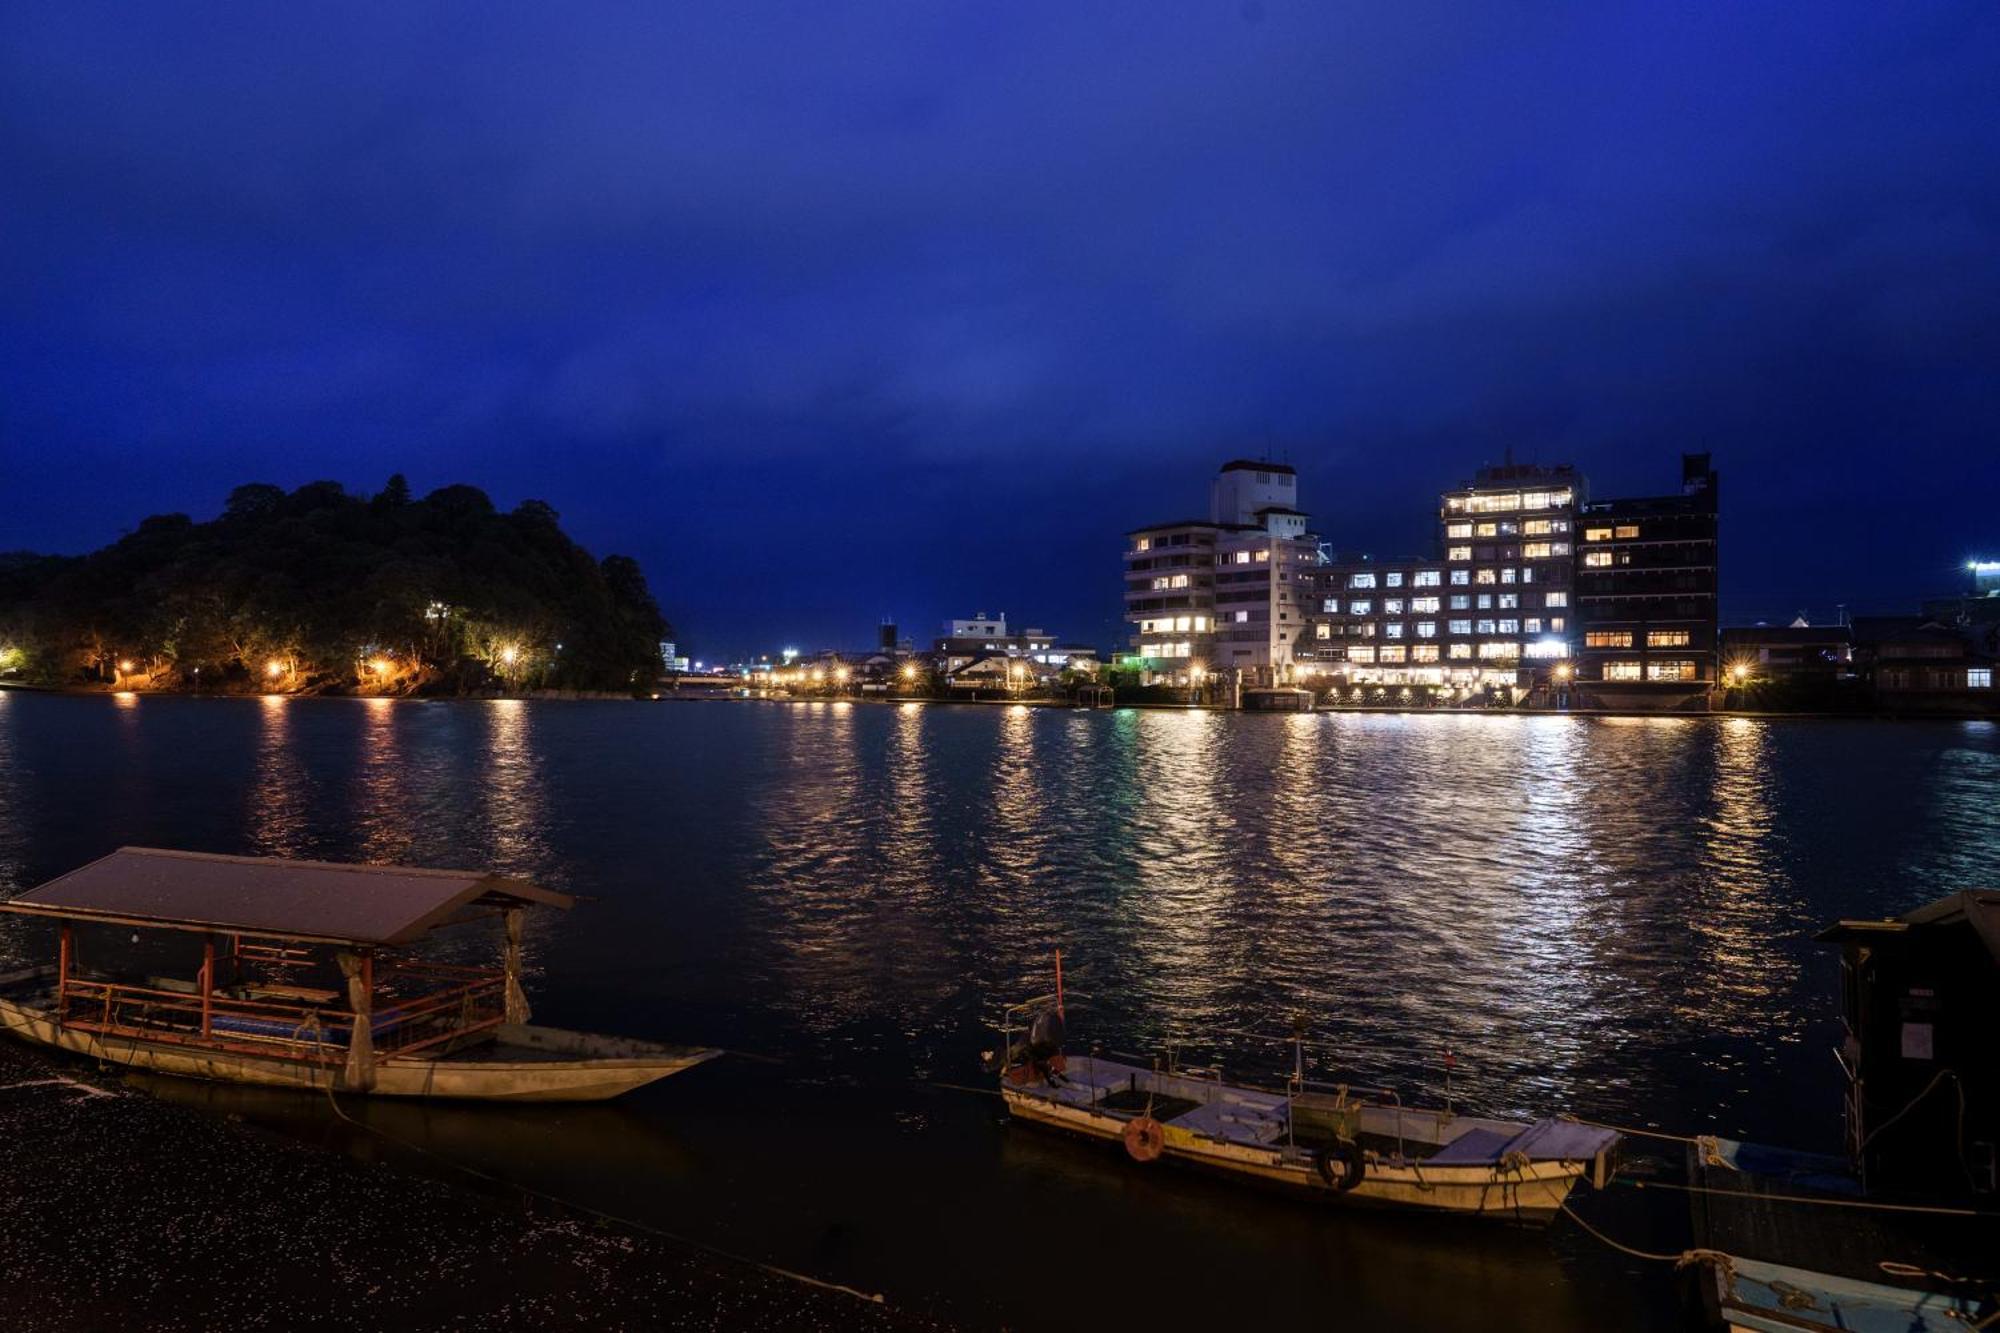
x=1786 y=652
x=1932 y=668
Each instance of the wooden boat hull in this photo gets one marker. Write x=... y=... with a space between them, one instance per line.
x=524 y=1064
x=1516 y=1187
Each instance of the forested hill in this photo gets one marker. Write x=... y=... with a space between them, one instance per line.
x=322 y=590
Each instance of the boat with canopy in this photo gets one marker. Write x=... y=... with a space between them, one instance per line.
x=1333 y=1141
x=305 y=974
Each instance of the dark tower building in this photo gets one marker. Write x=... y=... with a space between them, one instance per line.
x=1646 y=596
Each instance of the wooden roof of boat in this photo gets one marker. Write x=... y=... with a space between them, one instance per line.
x=315 y=901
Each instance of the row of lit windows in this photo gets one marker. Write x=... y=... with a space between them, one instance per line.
x=1534 y=527
x=1508 y=503
x=1166 y=650
x=1245 y=557
x=1623 y=532
x=1168 y=625
x=1427 y=629
x=1622 y=638
x=1170 y=581
x=1423 y=578
x=1627 y=669
x=1460 y=601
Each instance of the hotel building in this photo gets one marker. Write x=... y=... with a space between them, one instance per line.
x=1493 y=612
x=1646 y=597
x=1225 y=593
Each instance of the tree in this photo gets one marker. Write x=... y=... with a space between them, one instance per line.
x=395 y=494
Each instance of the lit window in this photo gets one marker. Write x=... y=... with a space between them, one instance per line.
x=1621 y=670
x=1427 y=629
x=1628 y=532
x=1494 y=504
x=1608 y=638
x=1507 y=575
x=1392 y=654
x=1424 y=652
x=1143 y=544
x=1393 y=630
x=1242 y=617
x=1423 y=603
x=1331 y=606
x=1460 y=577
x=1487 y=530
x=1460 y=650
x=1393 y=579
x=1456 y=504
x=1425 y=578
x=1392 y=606
x=1458 y=626
x=1322 y=630
x=1666 y=638
x=1537 y=527
x=1597 y=534
x=1360 y=608
x=1485 y=576
x=1179 y=581
x=1676 y=670
x=1458 y=529
x=1535 y=500
x=1509 y=600
x=1184 y=623
x=1510 y=627
x=1559 y=548
x=1597 y=559
x=1979 y=678
x=1528 y=575
x=1160 y=583
x=1360 y=580
x=1500 y=648
x=1555 y=599
x=1459 y=553
x=1263 y=555
x=1555 y=624
x=1485 y=601
x=1241 y=558
x=1532 y=625
x=1461 y=601
x=1200 y=627
x=1485 y=627
x=1360 y=652
x=1535 y=551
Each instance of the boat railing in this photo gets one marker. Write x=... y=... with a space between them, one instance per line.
x=285 y=1029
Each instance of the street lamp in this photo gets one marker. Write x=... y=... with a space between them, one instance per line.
x=1195 y=673
x=274 y=669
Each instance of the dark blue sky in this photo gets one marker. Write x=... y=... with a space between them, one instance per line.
x=829 y=311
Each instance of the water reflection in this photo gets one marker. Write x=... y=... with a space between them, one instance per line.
x=278 y=799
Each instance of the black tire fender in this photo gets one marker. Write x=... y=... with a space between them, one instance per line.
x=1340 y=1166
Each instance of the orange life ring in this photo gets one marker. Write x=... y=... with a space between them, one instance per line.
x=1145 y=1140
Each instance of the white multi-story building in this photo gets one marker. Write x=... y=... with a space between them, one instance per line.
x=1224 y=593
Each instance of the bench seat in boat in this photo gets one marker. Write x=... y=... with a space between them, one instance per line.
x=1087 y=1084
x=1238 y=1121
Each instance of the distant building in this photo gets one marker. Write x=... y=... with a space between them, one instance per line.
x=967 y=641
x=1797 y=651
x=979 y=627
x=1509 y=548
x=1223 y=593
x=1646 y=596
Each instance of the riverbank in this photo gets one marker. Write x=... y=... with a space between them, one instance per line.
x=127 y=1212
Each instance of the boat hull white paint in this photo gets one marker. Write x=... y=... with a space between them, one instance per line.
x=1531 y=1192
x=485 y=1074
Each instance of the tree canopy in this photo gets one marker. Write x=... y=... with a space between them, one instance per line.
x=319 y=589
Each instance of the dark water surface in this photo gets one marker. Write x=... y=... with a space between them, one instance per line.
x=1611 y=917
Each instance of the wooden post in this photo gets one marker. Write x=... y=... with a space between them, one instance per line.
x=360 y=973
x=514 y=1006
x=207 y=983
x=64 y=949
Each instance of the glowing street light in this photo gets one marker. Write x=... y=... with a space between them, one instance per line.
x=124 y=666
x=909 y=671
x=382 y=666
x=510 y=654
x=1562 y=671
x=274 y=668
x=840 y=675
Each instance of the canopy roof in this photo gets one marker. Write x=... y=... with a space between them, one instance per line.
x=319 y=901
x=1978 y=909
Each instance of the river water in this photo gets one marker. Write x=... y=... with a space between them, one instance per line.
x=1606 y=916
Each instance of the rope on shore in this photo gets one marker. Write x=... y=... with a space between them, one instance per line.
x=714 y=1251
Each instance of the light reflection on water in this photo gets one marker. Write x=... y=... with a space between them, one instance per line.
x=1606 y=916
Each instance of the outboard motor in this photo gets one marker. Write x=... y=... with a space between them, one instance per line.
x=1045 y=1036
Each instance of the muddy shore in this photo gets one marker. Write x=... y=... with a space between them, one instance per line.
x=123 y=1211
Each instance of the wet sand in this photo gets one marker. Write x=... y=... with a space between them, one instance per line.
x=123 y=1211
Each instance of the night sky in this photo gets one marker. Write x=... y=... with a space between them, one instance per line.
x=827 y=312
